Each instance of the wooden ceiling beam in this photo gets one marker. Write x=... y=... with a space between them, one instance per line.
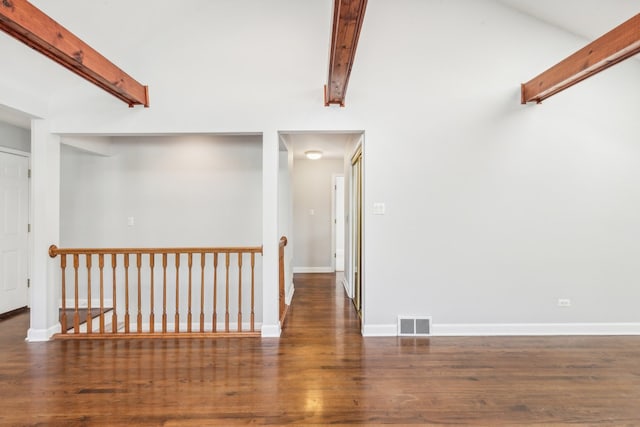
x=30 y=25
x=347 y=22
x=615 y=46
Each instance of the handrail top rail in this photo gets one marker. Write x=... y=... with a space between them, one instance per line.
x=54 y=251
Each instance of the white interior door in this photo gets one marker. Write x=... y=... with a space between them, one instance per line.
x=339 y=220
x=14 y=238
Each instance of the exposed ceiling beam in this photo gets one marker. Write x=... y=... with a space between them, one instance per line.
x=615 y=46
x=30 y=25
x=347 y=22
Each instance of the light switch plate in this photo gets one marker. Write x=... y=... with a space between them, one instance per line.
x=378 y=208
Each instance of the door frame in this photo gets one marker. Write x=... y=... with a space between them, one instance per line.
x=26 y=154
x=356 y=228
x=334 y=219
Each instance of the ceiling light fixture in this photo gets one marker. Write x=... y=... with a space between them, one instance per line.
x=313 y=154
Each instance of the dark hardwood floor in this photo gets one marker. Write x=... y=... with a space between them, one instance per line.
x=320 y=371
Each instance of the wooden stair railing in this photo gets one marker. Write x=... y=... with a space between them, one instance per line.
x=220 y=282
x=283 y=305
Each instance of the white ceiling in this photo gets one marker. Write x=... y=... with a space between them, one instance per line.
x=588 y=19
x=332 y=145
x=15 y=118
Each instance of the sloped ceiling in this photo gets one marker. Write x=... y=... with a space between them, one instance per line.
x=586 y=18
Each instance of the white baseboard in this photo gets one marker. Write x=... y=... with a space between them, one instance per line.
x=347 y=287
x=271 y=331
x=380 y=330
x=40 y=335
x=288 y=299
x=522 y=329
x=313 y=270
x=512 y=329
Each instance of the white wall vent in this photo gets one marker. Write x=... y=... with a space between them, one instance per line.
x=412 y=326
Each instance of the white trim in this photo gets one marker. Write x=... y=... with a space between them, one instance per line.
x=334 y=222
x=15 y=152
x=289 y=298
x=347 y=287
x=271 y=331
x=313 y=270
x=332 y=255
x=380 y=330
x=494 y=329
x=100 y=145
x=512 y=329
x=40 y=335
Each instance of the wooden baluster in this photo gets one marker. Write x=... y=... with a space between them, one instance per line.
x=63 y=267
x=239 y=291
x=226 y=315
x=114 y=314
x=76 y=313
x=152 y=319
x=253 y=265
x=101 y=266
x=164 y=293
x=139 y=317
x=202 y=291
x=89 y=314
x=190 y=263
x=177 y=319
x=126 y=293
x=214 y=324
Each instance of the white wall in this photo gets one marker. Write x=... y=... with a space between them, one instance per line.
x=180 y=191
x=494 y=210
x=312 y=215
x=15 y=138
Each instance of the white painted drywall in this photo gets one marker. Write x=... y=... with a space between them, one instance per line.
x=312 y=215
x=45 y=218
x=494 y=210
x=180 y=190
x=15 y=138
x=271 y=326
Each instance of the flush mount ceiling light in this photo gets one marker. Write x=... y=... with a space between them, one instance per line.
x=313 y=154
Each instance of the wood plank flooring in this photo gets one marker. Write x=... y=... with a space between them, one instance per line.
x=321 y=371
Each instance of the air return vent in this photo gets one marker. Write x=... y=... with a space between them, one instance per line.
x=412 y=326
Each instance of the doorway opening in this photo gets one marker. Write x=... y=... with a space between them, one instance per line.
x=322 y=213
x=356 y=228
x=338 y=222
x=14 y=230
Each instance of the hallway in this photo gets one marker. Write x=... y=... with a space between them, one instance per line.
x=320 y=371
